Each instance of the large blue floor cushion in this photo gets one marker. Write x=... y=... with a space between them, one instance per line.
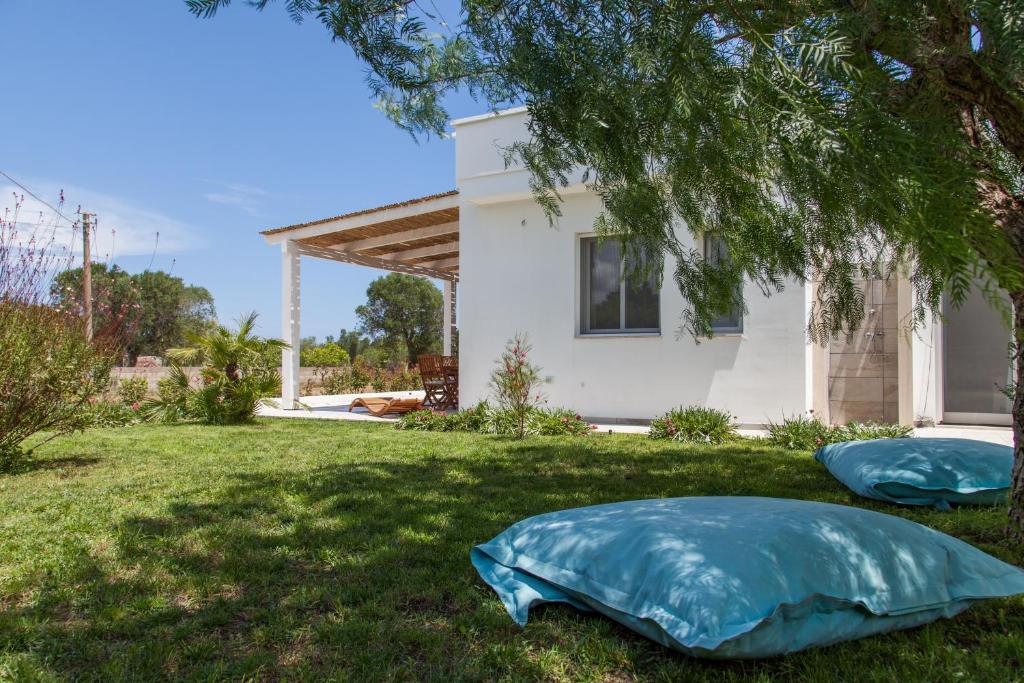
x=737 y=577
x=936 y=472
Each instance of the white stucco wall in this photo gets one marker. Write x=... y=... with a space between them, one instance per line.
x=520 y=275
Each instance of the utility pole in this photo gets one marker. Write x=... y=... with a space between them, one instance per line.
x=87 y=274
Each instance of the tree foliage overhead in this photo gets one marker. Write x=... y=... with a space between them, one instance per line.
x=403 y=311
x=814 y=136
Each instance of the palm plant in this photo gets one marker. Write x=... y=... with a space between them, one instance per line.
x=238 y=369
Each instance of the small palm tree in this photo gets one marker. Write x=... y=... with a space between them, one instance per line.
x=235 y=353
x=238 y=369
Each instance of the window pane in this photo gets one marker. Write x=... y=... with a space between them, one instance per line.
x=642 y=304
x=605 y=273
x=717 y=251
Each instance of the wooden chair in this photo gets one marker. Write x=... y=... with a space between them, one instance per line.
x=450 y=370
x=432 y=375
x=385 y=405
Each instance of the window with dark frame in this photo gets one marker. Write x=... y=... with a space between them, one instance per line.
x=612 y=302
x=716 y=251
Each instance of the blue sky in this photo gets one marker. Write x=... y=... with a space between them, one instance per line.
x=206 y=131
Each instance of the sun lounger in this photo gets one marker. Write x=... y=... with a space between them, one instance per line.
x=384 y=405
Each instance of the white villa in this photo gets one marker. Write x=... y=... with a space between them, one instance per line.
x=611 y=349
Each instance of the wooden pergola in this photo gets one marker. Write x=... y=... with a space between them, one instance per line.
x=418 y=237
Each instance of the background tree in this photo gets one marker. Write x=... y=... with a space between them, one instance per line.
x=403 y=310
x=353 y=342
x=167 y=310
x=825 y=141
x=171 y=312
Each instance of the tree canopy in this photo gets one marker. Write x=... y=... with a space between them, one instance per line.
x=822 y=140
x=166 y=310
x=403 y=311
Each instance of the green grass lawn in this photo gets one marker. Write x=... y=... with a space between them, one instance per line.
x=321 y=550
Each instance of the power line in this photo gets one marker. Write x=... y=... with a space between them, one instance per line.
x=39 y=199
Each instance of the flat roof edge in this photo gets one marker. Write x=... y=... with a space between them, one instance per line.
x=489 y=115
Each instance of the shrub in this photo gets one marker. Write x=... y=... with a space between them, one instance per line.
x=426 y=420
x=380 y=379
x=695 y=424
x=863 y=431
x=361 y=374
x=237 y=372
x=132 y=390
x=559 y=422
x=336 y=380
x=329 y=355
x=808 y=434
x=471 y=419
x=799 y=433
x=113 y=414
x=49 y=370
x=515 y=383
x=407 y=379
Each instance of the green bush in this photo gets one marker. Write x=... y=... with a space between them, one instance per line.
x=336 y=380
x=361 y=374
x=558 y=422
x=48 y=374
x=863 y=431
x=426 y=420
x=798 y=433
x=113 y=414
x=807 y=434
x=471 y=419
x=132 y=390
x=694 y=424
x=483 y=418
x=329 y=355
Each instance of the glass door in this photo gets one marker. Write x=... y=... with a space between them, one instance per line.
x=976 y=363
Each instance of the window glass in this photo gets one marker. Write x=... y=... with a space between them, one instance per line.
x=642 y=303
x=605 y=266
x=610 y=301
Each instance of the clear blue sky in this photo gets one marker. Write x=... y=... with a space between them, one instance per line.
x=207 y=131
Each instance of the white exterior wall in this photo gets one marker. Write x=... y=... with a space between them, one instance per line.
x=517 y=274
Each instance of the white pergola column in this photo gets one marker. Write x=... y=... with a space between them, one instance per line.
x=290 y=323
x=449 y=316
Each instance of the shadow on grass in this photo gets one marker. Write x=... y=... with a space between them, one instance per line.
x=363 y=567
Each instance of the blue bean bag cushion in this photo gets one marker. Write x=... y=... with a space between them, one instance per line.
x=738 y=577
x=922 y=471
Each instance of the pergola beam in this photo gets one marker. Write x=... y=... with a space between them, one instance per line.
x=422 y=252
x=442 y=263
x=397 y=238
x=425 y=269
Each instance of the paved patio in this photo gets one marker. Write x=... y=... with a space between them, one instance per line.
x=335 y=407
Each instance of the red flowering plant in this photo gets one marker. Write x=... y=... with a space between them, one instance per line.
x=50 y=369
x=516 y=385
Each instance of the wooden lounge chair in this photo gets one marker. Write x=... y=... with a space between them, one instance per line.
x=385 y=405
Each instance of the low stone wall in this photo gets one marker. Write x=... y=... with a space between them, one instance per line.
x=154 y=375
